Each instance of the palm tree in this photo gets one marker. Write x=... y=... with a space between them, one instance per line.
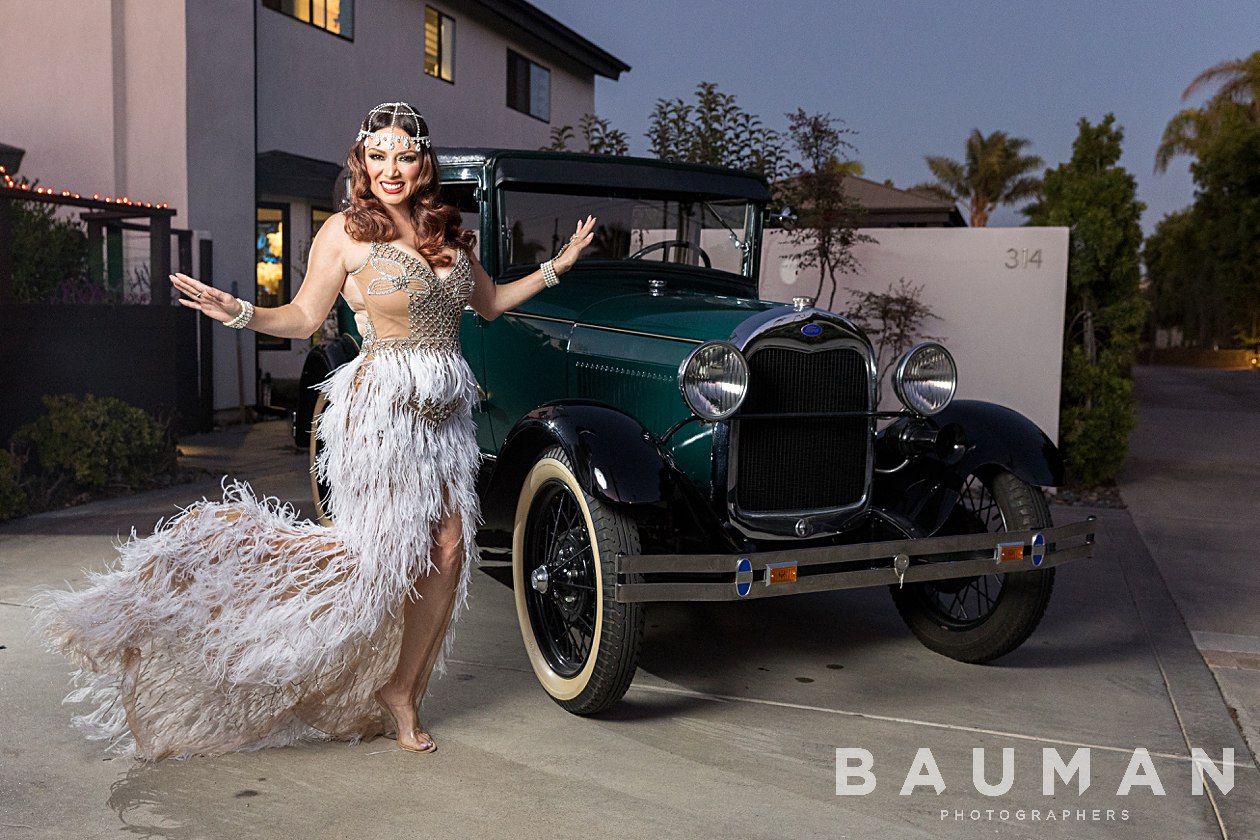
x=1239 y=82
x=1238 y=96
x=995 y=171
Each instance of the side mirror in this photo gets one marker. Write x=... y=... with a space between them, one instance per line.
x=786 y=218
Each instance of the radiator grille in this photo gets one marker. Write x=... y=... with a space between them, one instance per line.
x=787 y=464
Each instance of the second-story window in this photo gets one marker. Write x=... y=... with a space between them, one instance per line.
x=528 y=87
x=439 y=44
x=335 y=16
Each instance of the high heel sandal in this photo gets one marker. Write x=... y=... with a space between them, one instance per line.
x=427 y=743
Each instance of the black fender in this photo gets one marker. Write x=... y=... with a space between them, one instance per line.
x=995 y=435
x=320 y=362
x=990 y=437
x=615 y=459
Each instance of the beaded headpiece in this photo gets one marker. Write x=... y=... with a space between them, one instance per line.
x=387 y=139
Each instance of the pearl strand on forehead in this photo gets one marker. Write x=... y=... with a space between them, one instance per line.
x=388 y=139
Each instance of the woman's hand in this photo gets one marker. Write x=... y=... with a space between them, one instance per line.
x=577 y=242
x=207 y=300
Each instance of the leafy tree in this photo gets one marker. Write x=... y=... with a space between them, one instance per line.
x=994 y=171
x=828 y=216
x=1237 y=97
x=600 y=137
x=1202 y=261
x=894 y=320
x=1227 y=207
x=49 y=252
x=1181 y=280
x=561 y=136
x=1097 y=199
x=716 y=130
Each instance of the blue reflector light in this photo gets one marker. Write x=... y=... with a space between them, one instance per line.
x=743 y=576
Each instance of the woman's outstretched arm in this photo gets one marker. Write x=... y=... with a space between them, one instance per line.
x=325 y=275
x=490 y=300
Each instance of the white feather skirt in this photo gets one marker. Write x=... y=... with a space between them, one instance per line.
x=236 y=625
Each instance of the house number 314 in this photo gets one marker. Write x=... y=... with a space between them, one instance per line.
x=1022 y=258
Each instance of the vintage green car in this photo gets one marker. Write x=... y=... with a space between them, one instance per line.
x=652 y=431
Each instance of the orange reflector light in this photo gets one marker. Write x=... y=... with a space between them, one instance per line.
x=1010 y=551
x=780 y=573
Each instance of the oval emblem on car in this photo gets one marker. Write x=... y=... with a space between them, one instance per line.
x=812 y=330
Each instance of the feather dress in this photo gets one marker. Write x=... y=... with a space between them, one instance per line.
x=236 y=625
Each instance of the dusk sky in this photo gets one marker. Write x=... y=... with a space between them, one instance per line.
x=914 y=78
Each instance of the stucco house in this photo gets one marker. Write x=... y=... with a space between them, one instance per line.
x=238 y=113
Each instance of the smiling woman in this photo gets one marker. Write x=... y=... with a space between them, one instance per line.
x=236 y=625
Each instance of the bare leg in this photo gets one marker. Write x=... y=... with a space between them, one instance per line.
x=425 y=621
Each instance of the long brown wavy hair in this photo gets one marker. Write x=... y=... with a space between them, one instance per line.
x=437 y=225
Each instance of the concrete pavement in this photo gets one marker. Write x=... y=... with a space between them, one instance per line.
x=1192 y=483
x=730 y=729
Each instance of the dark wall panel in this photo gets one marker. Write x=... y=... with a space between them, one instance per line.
x=145 y=355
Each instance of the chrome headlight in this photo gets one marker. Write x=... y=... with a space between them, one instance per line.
x=925 y=378
x=714 y=380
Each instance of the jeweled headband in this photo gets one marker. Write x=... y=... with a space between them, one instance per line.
x=389 y=139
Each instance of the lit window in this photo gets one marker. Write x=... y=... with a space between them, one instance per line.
x=318 y=217
x=271 y=272
x=439 y=45
x=528 y=87
x=335 y=16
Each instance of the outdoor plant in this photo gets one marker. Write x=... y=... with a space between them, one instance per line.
x=1201 y=260
x=715 y=130
x=993 y=171
x=601 y=138
x=49 y=252
x=88 y=445
x=12 y=497
x=828 y=216
x=894 y=320
x=1105 y=311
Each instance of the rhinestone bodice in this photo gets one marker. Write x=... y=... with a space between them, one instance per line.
x=406 y=303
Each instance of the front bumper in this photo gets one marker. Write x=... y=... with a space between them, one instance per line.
x=737 y=577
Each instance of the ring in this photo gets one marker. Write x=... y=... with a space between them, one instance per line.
x=199 y=294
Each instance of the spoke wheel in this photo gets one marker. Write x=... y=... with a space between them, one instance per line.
x=981 y=618
x=561 y=593
x=582 y=644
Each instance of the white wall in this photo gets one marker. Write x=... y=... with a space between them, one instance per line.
x=94 y=92
x=315 y=87
x=220 y=147
x=1002 y=324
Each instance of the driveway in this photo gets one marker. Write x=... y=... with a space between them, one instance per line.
x=731 y=728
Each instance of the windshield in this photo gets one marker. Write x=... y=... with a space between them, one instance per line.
x=681 y=230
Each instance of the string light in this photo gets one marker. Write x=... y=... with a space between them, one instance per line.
x=127 y=201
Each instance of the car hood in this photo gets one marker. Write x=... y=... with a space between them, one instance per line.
x=678 y=314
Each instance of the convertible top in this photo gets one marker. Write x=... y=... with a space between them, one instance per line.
x=570 y=169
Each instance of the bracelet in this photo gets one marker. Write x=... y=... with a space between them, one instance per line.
x=550 y=278
x=247 y=312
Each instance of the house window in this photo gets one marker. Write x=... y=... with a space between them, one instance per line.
x=271 y=269
x=318 y=217
x=335 y=16
x=528 y=87
x=439 y=45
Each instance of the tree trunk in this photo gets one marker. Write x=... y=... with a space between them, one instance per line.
x=980 y=209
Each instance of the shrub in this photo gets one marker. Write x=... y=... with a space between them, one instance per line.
x=48 y=252
x=12 y=497
x=90 y=445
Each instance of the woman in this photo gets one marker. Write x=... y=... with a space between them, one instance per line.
x=237 y=626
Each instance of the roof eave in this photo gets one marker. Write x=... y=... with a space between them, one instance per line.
x=544 y=26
